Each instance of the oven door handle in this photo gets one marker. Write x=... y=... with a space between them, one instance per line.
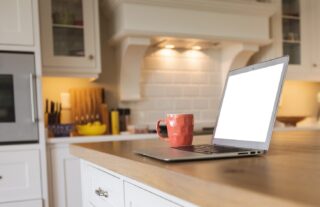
x=33 y=118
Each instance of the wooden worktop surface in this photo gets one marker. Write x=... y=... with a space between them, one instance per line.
x=288 y=175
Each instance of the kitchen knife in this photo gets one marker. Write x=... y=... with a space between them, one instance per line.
x=46 y=114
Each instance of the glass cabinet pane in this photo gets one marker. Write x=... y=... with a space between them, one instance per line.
x=294 y=51
x=67 y=23
x=7 y=113
x=291 y=30
x=291 y=7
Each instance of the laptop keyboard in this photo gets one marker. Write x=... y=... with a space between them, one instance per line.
x=209 y=149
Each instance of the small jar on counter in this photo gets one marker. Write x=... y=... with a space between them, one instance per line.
x=127 y=118
x=124 y=119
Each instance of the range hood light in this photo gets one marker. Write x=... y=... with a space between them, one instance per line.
x=169 y=46
x=196 y=47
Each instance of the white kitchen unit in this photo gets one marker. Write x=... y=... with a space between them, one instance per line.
x=136 y=196
x=102 y=187
x=16 y=22
x=23 y=167
x=300 y=23
x=64 y=168
x=65 y=177
x=70 y=37
x=20 y=179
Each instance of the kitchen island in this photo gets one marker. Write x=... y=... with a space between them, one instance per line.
x=289 y=175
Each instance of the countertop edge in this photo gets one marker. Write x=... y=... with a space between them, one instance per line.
x=184 y=185
x=87 y=139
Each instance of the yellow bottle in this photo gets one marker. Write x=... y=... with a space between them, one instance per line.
x=115 y=122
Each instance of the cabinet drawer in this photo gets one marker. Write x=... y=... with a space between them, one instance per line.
x=104 y=189
x=19 y=176
x=138 y=197
x=35 y=203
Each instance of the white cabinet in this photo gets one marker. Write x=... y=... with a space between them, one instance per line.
x=65 y=170
x=34 y=203
x=105 y=188
x=65 y=177
x=300 y=38
x=16 y=22
x=70 y=37
x=296 y=36
x=19 y=176
x=138 y=197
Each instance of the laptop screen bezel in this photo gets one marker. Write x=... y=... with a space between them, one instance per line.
x=250 y=144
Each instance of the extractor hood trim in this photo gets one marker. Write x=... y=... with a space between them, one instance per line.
x=239 y=26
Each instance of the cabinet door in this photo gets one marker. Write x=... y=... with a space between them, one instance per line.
x=19 y=176
x=138 y=197
x=104 y=189
x=297 y=32
x=68 y=34
x=100 y=188
x=66 y=178
x=16 y=23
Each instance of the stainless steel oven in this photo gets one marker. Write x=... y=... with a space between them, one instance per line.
x=18 y=111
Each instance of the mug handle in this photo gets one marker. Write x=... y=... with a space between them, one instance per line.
x=158 y=130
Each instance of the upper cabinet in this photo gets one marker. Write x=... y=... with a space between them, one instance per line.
x=301 y=38
x=315 y=24
x=16 y=22
x=70 y=37
x=292 y=30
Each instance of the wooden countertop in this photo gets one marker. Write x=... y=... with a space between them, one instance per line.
x=289 y=175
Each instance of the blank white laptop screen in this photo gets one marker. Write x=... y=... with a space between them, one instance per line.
x=248 y=104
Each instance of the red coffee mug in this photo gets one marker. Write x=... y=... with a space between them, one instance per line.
x=180 y=129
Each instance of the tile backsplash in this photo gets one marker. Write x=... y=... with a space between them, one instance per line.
x=178 y=81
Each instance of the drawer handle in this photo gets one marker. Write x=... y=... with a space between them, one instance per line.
x=102 y=193
x=0 y=177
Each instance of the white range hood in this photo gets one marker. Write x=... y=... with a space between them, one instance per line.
x=239 y=27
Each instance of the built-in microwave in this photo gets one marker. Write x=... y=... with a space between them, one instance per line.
x=18 y=111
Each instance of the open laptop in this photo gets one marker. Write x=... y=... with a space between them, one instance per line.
x=246 y=117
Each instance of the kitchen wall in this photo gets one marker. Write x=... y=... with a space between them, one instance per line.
x=53 y=86
x=178 y=81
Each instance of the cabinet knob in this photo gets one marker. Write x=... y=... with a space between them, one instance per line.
x=101 y=193
x=314 y=65
x=90 y=57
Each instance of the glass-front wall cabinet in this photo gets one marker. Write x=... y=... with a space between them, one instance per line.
x=67 y=27
x=70 y=37
x=291 y=30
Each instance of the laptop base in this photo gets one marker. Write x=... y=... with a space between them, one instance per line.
x=190 y=153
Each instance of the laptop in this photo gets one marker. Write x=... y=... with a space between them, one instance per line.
x=246 y=117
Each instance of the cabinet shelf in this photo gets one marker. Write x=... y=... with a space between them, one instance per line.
x=68 y=26
x=291 y=17
x=291 y=41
